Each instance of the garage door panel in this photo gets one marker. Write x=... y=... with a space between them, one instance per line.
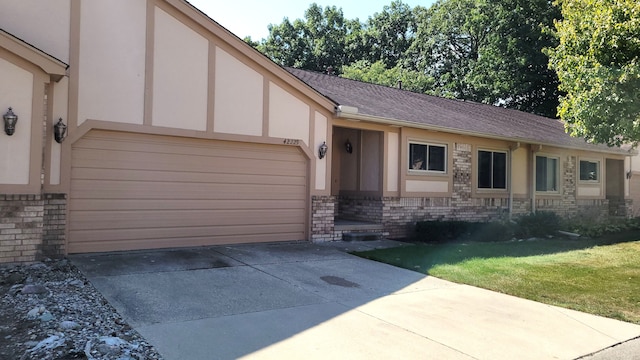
x=204 y=231
x=200 y=204
x=197 y=148
x=135 y=191
x=157 y=190
x=159 y=243
x=165 y=219
x=122 y=160
x=190 y=177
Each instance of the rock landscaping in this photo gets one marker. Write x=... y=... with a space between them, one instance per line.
x=49 y=311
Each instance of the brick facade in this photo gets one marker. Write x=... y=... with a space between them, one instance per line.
x=399 y=215
x=31 y=227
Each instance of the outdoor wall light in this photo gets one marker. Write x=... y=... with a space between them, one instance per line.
x=59 y=131
x=348 y=146
x=10 y=120
x=322 y=151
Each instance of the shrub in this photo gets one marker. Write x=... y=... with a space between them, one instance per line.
x=539 y=224
x=442 y=231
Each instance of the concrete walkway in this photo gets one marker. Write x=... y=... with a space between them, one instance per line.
x=310 y=301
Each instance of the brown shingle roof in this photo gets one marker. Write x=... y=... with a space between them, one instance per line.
x=444 y=114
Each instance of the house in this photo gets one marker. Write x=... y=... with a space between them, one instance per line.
x=145 y=124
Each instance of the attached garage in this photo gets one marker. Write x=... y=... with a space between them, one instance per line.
x=139 y=191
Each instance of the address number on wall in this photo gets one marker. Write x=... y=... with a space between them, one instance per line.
x=291 y=142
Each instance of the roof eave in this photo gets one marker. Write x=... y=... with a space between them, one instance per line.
x=49 y=64
x=405 y=123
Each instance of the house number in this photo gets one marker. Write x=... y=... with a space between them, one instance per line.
x=291 y=142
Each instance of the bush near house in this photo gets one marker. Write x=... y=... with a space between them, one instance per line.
x=540 y=224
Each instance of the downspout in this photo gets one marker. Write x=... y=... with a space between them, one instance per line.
x=512 y=148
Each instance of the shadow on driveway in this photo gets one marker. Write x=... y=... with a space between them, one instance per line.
x=317 y=301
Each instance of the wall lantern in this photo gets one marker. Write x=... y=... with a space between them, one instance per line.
x=59 y=131
x=10 y=120
x=322 y=151
x=348 y=146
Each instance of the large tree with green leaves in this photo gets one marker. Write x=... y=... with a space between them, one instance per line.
x=396 y=76
x=598 y=64
x=489 y=51
x=323 y=39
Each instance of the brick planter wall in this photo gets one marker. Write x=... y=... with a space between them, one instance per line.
x=31 y=227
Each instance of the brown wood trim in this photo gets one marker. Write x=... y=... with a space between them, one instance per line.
x=312 y=144
x=211 y=96
x=148 y=66
x=50 y=65
x=265 y=106
x=157 y=130
x=49 y=135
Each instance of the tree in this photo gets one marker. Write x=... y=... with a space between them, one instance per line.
x=378 y=73
x=323 y=39
x=389 y=34
x=488 y=51
x=598 y=65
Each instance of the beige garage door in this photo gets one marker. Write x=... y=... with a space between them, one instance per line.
x=132 y=191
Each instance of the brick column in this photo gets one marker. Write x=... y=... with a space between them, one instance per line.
x=20 y=227
x=322 y=218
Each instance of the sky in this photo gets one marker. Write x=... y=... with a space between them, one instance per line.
x=251 y=17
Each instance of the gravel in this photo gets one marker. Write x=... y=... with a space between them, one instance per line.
x=49 y=311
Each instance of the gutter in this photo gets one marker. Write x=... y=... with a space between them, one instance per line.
x=351 y=113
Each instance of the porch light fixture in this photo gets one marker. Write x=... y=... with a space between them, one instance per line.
x=10 y=120
x=348 y=146
x=59 y=131
x=322 y=151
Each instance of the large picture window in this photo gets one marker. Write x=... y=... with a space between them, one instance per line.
x=427 y=157
x=589 y=170
x=492 y=170
x=547 y=173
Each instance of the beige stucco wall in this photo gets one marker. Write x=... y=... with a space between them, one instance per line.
x=288 y=115
x=180 y=75
x=348 y=164
x=589 y=191
x=427 y=186
x=520 y=171
x=393 y=163
x=112 y=61
x=60 y=101
x=320 y=134
x=16 y=91
x=239 y=96
x=43 y=24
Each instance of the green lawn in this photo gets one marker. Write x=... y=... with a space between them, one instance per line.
x=599 y=276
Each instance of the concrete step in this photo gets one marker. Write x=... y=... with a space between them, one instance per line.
x=362 y=236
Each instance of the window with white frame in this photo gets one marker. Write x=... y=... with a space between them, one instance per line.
x=427 y=157
x=492 y=169
x=547 y=169
x=589 y=170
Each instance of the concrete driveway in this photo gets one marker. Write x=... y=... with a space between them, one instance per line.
x=303 y=300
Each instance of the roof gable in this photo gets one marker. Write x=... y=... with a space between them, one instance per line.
x=49 y=64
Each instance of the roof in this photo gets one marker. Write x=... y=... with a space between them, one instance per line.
x=395 y=106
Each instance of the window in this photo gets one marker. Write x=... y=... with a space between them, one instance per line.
x=589 y=170
x=546 y=173
x=492 y=170
x=427 y=157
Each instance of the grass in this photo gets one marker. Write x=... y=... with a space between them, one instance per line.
x=597 y=276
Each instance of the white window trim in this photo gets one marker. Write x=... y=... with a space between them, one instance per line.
x=427 y=172
x=558 y=171
x=597 y=161
x=506 y=174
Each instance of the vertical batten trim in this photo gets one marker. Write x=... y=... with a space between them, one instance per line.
x=265 y=106
x=211 y=96
x=148 y=72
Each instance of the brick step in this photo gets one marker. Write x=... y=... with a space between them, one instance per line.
x=363 y=236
